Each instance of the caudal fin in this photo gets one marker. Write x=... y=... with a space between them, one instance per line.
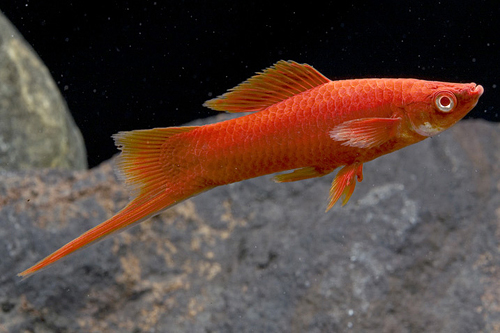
x=144 y=166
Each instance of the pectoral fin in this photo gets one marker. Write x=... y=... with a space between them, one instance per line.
x=344 y=183
x=366 y=132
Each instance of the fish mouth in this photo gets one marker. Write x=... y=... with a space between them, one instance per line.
x=477 y=89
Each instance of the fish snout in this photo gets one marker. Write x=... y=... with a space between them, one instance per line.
x=477 y=89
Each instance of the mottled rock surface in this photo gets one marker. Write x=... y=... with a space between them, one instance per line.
x=415 y=250
x=36 y=128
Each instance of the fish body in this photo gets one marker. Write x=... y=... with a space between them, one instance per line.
x=301 y=121
x=296 y=133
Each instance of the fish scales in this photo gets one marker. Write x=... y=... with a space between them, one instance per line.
x=288 y=135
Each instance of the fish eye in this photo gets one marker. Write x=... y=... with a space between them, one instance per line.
x=445 y=101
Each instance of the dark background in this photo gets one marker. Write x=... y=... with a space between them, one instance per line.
x=125 y=65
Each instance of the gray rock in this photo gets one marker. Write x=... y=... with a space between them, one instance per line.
x=36 y=128
x=415 y=250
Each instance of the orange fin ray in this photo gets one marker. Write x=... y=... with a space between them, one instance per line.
x=275 y=84
x=344 y=183
x=144 y=166
x=140 y=165
x=137 y=211
x=300 y=174
x=366 y=132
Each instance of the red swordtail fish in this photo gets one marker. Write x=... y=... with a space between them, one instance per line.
x=301 y=121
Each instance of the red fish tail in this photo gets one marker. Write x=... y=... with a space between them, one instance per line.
x=144 y=167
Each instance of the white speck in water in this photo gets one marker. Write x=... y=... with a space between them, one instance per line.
x=350 y=312
x=349 y=325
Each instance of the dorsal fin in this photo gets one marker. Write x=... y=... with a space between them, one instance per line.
x=275 y=84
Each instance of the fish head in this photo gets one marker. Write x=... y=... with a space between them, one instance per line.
x=436 y=106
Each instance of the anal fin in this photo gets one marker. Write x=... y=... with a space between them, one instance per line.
x=301 y=174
